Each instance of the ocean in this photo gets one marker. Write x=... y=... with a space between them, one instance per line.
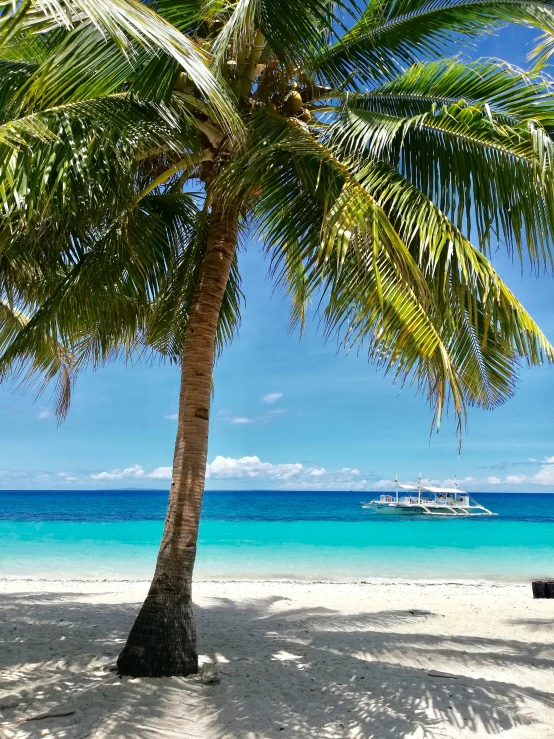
x=321 y=536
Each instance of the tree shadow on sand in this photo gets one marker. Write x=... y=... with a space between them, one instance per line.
x=306 y=673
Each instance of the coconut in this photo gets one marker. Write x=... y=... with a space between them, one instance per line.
x=293 y=102
x=305 y=116
x=270 y=107
x=184 y=83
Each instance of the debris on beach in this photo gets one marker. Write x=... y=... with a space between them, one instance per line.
x=436 y=673
x=209 y=673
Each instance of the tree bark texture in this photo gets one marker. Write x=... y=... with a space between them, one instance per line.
x=162 y=641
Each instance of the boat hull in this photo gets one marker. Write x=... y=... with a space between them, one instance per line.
x=394 y=510
x=427 y=510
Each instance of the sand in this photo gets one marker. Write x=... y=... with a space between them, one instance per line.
x=358 y=661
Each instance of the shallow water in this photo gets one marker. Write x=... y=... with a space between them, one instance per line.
x=290 y=535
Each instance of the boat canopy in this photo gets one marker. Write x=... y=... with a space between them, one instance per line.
x=430 y=489
x=442 y=490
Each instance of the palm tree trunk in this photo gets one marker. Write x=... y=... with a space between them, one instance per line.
x=162 y=641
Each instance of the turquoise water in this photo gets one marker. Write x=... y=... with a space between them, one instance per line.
x=60 y=535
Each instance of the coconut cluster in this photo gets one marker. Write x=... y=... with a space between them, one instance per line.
x=291 y=104
x=263 y=84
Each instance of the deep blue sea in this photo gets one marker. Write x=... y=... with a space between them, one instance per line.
x=273 y=535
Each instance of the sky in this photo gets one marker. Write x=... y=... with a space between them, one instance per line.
x=289 y=413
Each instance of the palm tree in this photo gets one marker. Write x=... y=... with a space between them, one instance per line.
x=140 y=142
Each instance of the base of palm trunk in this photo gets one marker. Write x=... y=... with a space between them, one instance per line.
x=162 y=642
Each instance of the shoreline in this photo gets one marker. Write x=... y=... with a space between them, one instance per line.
x=374 y=581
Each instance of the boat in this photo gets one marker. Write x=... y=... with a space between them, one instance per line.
x=423 y=500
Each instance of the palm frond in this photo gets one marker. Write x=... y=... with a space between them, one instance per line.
x=127 y=291
x=189 y=15
x=294 y=30
x=48 y=361
x=285 y=148
x=463 y=283
x=13 y=75
x=512 y=95
x=448 y=151
x=31 y=48
x=96 y=307
x=440 y=316
x=56 y=163
x=393 y=34
x=84 y=65
x=127 y=23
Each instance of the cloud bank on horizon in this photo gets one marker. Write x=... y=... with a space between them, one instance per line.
x=544 y=477
x=252 y=472
x=292 y=475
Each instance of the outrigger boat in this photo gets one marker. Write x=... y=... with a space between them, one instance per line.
x=424 y=500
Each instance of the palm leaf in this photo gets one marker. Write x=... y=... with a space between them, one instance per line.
x=392 y=34
x=448 y=149
x=127 y=23
x=58 y=161
x=48 y=359
x=294 y=31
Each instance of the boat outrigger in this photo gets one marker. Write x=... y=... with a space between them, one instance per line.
x=424 y=500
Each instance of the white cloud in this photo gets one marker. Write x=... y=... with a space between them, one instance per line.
x=44 y=414
x=228 y=468
x=320 y=478
x=173 y=417
x=545 y=476
x=161 y=473
x=290 y=475
x=242 y=419
x=272 y=397
x=350 y=470
x=136 y=472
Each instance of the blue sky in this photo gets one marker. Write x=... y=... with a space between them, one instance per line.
x=288 y=413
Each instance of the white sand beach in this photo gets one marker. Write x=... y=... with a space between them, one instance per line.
x=354 y=661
